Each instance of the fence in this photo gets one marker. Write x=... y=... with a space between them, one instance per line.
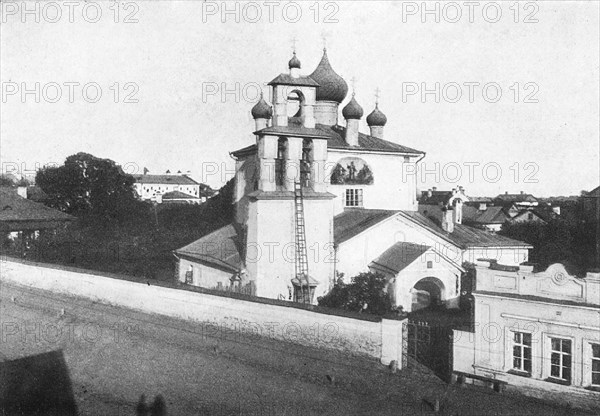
x=352 y=333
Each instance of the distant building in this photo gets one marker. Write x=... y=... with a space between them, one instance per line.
x=520 y=200
x=540 y=331
x=591 y=206
x=22 y=220
x=487 y=217
x=171 y=188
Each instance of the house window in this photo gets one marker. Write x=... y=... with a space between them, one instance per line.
x=430 y=265
x=522 y=352
x=596 y=364
x=560 y=359
x=354 y=197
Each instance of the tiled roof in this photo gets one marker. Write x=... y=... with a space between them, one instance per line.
x=463 y=235
x=17 y=210
x=335 y=136
x=178 y=195
x=220 y=248
x=491 y=215
x=165 y=179
x=287 y=79
x=400 y=255
x=352 y=222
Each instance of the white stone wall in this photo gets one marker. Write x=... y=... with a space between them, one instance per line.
x=204 y=276
x=150 y=190
x=380 y=339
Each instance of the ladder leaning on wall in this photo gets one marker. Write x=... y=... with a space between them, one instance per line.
x=301 y=253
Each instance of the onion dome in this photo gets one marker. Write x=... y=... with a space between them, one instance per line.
x=294 y=62
x=352 y=110
x=262 y=109
x=376 y=118
x=332 y=86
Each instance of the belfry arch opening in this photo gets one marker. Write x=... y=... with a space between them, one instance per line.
x=295 y=105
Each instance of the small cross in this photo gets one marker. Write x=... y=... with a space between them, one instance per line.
x=377 y=91
x=324 y=41
x=294 y=43
x=353 y=81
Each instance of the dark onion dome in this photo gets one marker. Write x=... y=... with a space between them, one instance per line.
x=376 y=118
x=332 y=86
x=294 y=62
x=352 y=110
x=262 y=109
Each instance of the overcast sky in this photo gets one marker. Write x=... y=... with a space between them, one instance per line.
x=175 y=59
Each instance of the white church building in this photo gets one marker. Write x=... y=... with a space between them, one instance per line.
x=317 y=198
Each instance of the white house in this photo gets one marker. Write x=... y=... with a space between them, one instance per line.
x=175 y=188
x=356 y=205
x=539 y=331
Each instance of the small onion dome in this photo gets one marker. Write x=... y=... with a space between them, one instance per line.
x=376 y=118
x=262 y=109
x=352 y=110
x=294 y=62
x=332 y=87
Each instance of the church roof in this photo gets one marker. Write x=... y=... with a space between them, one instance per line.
x=400 y=255
x=335 y=136
x=220 y=248
x=352 y=222
x=352 y=110
x=165 y=179
x=376 y=118
x=463 y=236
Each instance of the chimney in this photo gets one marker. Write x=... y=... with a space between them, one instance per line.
x=22 y=191
x=505 y=192
x=434 y=188
x=447 y=219
x=522 y=192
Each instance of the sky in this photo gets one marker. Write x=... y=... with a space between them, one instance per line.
x=502 y=96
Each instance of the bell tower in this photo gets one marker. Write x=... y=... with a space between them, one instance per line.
x=290 y=162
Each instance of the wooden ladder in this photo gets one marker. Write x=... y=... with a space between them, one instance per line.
x=301 y=252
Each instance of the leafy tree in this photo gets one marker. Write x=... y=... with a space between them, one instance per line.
x=89 y=186
x=365 y=293
x=6 y=181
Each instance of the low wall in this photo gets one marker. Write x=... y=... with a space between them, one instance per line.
x=378 y=338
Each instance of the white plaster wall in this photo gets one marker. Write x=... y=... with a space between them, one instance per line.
x=381 y=340
x=389 y=190
x=204 y=276
x=353 y=256
x=510 y=256
x=271 y=245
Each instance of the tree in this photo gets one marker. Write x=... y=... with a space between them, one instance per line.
x=365 y=293
x=6 y=181
x=88 y=185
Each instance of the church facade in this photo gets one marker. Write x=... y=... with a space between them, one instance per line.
x=317 y=199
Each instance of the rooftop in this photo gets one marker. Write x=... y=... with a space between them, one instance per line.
x=18 y=213
x=463 y=235
x=165 y=179
x=491 y=215
x=220 y=248
x=352 y=222
x=400 y=255
x=335 y=136
x=178 y=195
